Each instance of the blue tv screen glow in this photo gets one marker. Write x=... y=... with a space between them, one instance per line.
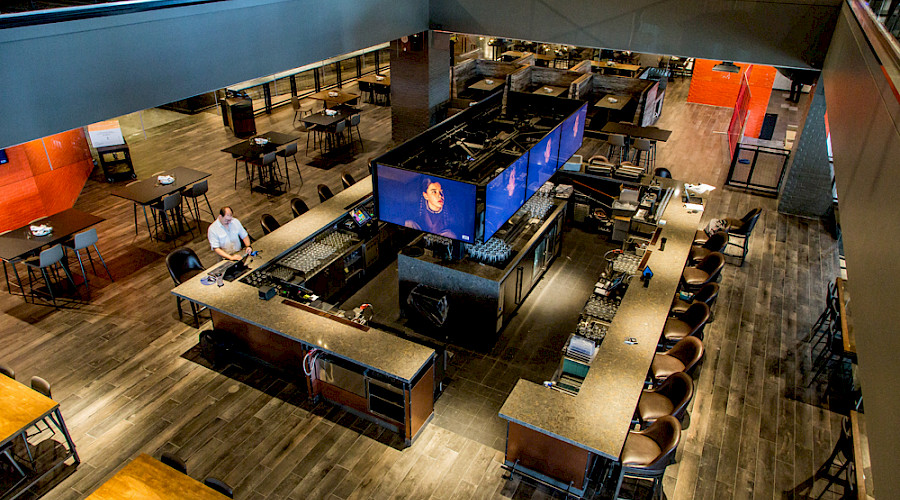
x=571 y=134
x=427 y=203
x=542 y=162
x=504 y=195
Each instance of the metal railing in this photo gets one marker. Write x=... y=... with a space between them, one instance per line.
x=759 y=169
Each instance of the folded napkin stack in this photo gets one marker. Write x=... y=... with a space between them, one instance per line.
x=165 y=179
x=40 y=230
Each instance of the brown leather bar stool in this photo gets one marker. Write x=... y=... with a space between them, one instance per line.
x=670 y=398
x=715 y=243
x=347 y=180
x=680 y=358
x=691 y=323
x=707 y=294
x=742 y=228
x=706 y=271
x=647 y=453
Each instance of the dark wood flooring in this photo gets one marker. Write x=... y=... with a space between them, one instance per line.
x=126 y=372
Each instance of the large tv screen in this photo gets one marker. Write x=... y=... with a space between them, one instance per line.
x=542 y=162
x=571 y=134
x=425 y=202
x=504 y=195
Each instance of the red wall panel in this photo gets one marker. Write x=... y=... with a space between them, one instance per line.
x=37 y=156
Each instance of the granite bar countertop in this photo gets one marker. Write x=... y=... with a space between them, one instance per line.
x=520 y=244
x=380 y=351
x=597 y=419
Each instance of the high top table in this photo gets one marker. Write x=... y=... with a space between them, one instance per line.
x=150 y=191
x=18 y=243
x=557 y=436
x=249 y=151
x=21 y=408
x=148 y=478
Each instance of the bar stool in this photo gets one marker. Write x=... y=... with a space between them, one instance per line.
x=268 y=223
x=347 y=180
x=645 y=153
x=219 y=486
x=707 y=294
x=267 y=164
x=715 y=243
x=616 y=148
x=298 y=207
x=174 y=462
x=324 y=192
x=647 y=453
x=194 y=193
x=83 y=241
x=290 y=151
x=680 y=358
x=183 y=264
x=334 y=134
x=313 y=132
x=18 y=260
x=706 y=271
x=670 y=398
x=691 y=323
x=662 y=172
x=7 y=371
x=354 y=122
x=170 y=208
x=49 y=259
x=742 y=228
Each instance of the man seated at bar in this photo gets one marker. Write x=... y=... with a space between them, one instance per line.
x=225 y=235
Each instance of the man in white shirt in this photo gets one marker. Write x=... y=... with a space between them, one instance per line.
x=225 y=236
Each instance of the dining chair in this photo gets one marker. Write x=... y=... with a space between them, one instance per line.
x=290 y=151
x=295 y=104
x=335 y=133
x=7 y=371
x=47 y=261
x=42 y=386
x=219 y=486
x=267 y=166
x=197 y=190
x=174 y=462
x=83 y=241
x=170 y=211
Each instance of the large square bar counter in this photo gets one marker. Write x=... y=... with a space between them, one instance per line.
x=371 y=373
x=557 y=437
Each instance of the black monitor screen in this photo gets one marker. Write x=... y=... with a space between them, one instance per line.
x=425 y=202
x=542 y=161
x=571 y=134
x=504 y=195
x=3 y=158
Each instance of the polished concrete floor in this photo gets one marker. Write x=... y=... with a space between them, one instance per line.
x=126 y=371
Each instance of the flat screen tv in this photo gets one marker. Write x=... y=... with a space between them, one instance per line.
x=571 y=134
x=3 y=158
x=504 y=196
x=425 y=202
x=542 y=162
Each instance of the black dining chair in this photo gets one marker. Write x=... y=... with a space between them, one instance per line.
x=183 y=264
x=353 y=122
x=174 y=462
x=219 y=486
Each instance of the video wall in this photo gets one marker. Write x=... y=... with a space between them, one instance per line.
x=504 y=196
x=425 y=202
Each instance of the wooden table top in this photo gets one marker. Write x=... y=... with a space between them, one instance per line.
x=621 y=101
x=652 y=133
x=620 y=66
x=148 y=478
x=485 y=85
x=385 y=80
x=846 y=325
x=551 y=90
x=20 y=407
x=341 y=97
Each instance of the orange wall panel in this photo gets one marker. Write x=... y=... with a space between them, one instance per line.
x=717 y=88
x=30 y=188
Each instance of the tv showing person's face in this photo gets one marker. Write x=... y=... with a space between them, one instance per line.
x=434 y=197
x=504 y=195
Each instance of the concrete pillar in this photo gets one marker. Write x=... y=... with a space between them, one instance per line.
x=806 y=189
x=420 y=82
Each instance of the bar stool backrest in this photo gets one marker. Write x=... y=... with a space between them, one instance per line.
x=299 y=207
x=717 y=242
x=679 y=388
x=347 y=180
x=290 y=149
x=642 y=144
x=354 y=120
x=51 y=256
x=707 y=294
x=688 y=350
x=268 y=159
x=617 y=140
x=340 y=127
x=85 y=239
x=171 y=202
x=199 y=189
x=7 y=371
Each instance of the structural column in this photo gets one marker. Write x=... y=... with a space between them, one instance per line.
x=807 y=186
x=420 y=82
